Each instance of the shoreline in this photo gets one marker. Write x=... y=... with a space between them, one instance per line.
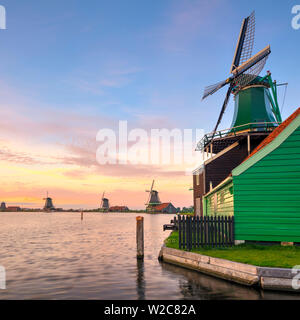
x=276 y=279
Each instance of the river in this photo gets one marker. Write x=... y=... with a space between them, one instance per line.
x=58 y=256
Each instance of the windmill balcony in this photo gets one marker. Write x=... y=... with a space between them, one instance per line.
x=217 y=142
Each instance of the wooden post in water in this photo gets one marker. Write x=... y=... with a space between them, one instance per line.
x=140 y=237
x=81 y=215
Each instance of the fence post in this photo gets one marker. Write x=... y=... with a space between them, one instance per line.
x=219 y=231
x=179 y=231
x=232 y=230
x=216 y=232
x=226 y=231
x=205 y=230
x=212 y=231
x=188 y=233
x=198 y=231
x=192 y=231
x=222 y=230
x=201 y=231
x=183 y=232
x=140 y=237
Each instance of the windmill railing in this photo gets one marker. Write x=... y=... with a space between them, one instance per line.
x=236 y=131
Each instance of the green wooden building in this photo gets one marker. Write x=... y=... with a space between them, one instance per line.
x=263 y=192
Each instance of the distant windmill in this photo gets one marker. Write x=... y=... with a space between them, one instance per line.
x=153 y=199
x=48 y=203
x=104 y=203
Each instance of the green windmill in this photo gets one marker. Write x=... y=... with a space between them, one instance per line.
x=256 y=103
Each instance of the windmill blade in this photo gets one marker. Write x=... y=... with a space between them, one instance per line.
x=252 y=68
x=245 y=42
x=223 y=109
x=213 y=88
x=152 y=185
x=251 y=74
x=149 y=197
x=252 y=61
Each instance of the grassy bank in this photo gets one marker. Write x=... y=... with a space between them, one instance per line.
x=258 y=255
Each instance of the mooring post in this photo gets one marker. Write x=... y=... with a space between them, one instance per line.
x=81 y=215
x=140 y=237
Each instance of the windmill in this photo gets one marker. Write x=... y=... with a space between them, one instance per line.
x=104 y=203
x=254 y=104
x=153 y=199
x=48 y=203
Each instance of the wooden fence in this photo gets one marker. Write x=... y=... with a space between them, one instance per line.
x=198 y=232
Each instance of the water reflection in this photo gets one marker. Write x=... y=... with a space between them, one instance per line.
x=140 y=279
x=196 y=286
x=58 y=256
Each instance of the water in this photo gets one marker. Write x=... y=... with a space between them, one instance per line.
x=58 y=256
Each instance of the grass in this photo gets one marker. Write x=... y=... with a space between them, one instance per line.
x=258 y=255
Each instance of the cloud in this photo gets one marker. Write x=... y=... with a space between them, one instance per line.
x=98 y=77
x=185 y=21
x=20 y=157
x=76 y=174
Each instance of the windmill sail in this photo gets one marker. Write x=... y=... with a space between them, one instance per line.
x=223 y=109
x=213 y=88
x=245 y=42
x=252 y=68
x=252 y=61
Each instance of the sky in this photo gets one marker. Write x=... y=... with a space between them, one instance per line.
x=71 y=68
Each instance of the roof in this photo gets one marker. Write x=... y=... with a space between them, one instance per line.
x=118 y=208
x=162 y=206
x=275 y=133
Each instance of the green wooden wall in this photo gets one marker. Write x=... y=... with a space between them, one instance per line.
x=267 y=195
x=220 y=202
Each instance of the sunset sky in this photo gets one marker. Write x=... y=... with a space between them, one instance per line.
x=71 y=68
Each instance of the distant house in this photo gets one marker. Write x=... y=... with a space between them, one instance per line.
x=165 y=208
x=118 y=209
x=13 y=209
x=3 y=206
